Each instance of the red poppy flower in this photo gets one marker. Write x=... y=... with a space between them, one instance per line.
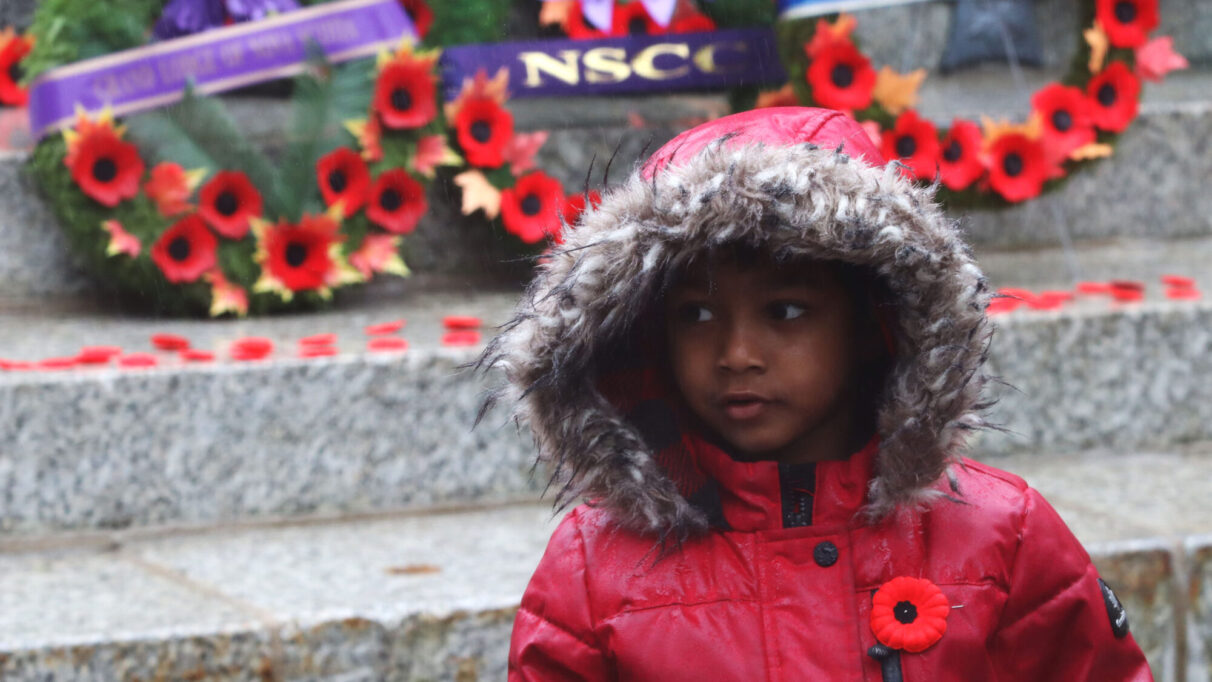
x=343 y=177
x=185 y=251
x=484 y=129
x=633 y=19
x=840 y=76
x=1127 y=22
x=170 y=186
x=464 y=322
x=909 y=613
x=914 y=142
x=421 y=15
x=298 y=257
x=692 y=23
x=228 y=201
x=531 y=208
x=960 y=161
x=574 y=206
x=1065 y=113
x=404 y=93
x=13 y=49
x=397 y=202
x=104 y=167
x=1017 y=167
x=1113 y=97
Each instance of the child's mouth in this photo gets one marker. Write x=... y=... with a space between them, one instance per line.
x=744 y=408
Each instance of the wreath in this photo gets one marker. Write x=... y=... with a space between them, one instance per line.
x=1073 y=121
x=176 y=206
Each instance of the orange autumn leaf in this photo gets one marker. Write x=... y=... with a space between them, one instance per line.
x=994 y=129
x=555 y=12
x=432 y=151
x=478 y=194
x=1099 y=43
x=520 y=150
x=897 y=92
x=1094 y=150
x=1157 y=57
x=225 y=296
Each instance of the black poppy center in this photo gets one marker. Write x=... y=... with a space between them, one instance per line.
x=906 y=146
x=104 y=169
x=953 y=152
x=178 y=249
x=531 y=205
x=401 y=99
x=1062 y=120
x=296 y=254
x=390 y=200
x=1012 y=164
x=905 y=612
x=1107 y=95
x=1125 y=12
x=842 y=75
x=226 y=203
x=481 y=131
x=337 y=181
x=637 y=26
x=15 y=72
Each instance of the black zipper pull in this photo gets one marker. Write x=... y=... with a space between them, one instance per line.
x=890 y=662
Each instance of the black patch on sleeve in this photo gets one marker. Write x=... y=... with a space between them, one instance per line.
x=1115 y=611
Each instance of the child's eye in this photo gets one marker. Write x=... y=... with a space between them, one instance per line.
x=692 y=312
x=786 y=311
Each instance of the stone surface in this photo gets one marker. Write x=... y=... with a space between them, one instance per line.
x=1199 y=608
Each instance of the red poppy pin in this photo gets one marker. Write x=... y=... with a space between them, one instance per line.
x=909 y=614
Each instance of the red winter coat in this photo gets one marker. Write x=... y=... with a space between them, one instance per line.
x=775 y=576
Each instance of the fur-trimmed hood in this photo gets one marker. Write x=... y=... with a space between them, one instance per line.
x=801 y=183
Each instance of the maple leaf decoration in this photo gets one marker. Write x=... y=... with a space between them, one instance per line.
x=1099 y=43
x=826 y=33
x=478 y=193
x=520 y=150
x=1094 y=150
x=481 y=87
x=432 y=151
x=1157 y=57
x=555 y=12
x=897 y=92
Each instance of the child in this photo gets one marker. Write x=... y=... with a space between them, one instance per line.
x=759 y=360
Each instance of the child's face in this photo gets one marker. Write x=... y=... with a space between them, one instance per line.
x=763 y=355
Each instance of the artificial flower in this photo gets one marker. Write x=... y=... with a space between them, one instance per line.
x=228 y=202
x=369 y=135
x=432 y=151
x=570 y=212
x=1156 y=58
x=633 y=18
x=1127 y=22
x=105 y=168
x=914 y=142
x=185 y=251
x=960 y=159
x=170 y=186
x=484 y=128
x=396 y=202
x=120 y=241
x=478 y=194
x=379 y=253
x=1065 y=114
x=421 y=15
x=520 y=151
x=1018 y=166
x=841 y=77
x=827 y=33
x=225 y=297
x=531 y=208
x=909 y=613
x=692 y=23
x=13 y=49
x=480 y=87
x=343 y=177
x=1113 y=97
x=303 y=257
x=405 y=89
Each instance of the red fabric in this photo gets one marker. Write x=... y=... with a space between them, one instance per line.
x=752 y=603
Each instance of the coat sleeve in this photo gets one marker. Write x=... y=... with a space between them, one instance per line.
x=1056 y=625
x=553 y=634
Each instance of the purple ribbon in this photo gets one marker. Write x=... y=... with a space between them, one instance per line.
x=186 y=17
x=685 y=61
x=215 y=61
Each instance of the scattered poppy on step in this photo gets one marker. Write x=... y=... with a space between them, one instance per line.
x=343 y=177
x=841 y=76
x=909 y=613
x=914 y=142
x=98 y=355
x=531 y=208
x=228 y=202
x=1127 y=22
x=397 y=202
x=1112 y=95
x=1065 y=116
x=251 y=348
x=384 y=328
x=195 y=355
x=138 y=360
x=318 y=352
x=58 y=363
x=405 y=89
x=1178 y=281
x=170 y=341
x=1183 y=294
x=461 y=338
x=317 y=340
x=387 y=343
x=483 y=128
x=959 y=159
x=185 y=251
x=455 y=322
x=1094 y=287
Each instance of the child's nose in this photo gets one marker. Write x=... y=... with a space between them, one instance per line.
x=741 y=350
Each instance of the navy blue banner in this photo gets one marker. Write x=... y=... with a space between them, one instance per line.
x=627 y=64
x=796 y=9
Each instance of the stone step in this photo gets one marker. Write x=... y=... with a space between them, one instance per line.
x=365 y=432
x=432 y=596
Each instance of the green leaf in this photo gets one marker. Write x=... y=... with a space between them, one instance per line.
x=198 y=133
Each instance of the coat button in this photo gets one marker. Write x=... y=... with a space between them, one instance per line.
x=825 y=554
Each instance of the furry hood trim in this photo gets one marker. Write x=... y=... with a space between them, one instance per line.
x=775 y=186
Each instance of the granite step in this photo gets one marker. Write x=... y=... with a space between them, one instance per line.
x=367 y=431
x=432 y=596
